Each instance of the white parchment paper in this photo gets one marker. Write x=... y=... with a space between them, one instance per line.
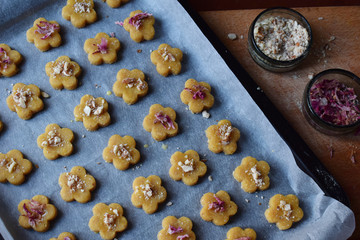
x=324 y=217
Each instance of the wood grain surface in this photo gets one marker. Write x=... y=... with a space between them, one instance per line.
x=285 y=90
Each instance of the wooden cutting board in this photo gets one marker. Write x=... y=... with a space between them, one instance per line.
x=285 y=90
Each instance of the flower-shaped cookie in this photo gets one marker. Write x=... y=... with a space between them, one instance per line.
x=108 y=220
x=284 y=210
x=253 y=175
x=130 y=85
x=79 y=12
x=56 y=141
x=148 y=193
x=102 y=49
x=115 y=3
x=76 y=184
x=167 y=60
x=176 y=229
x=9 y=59
x=121 y=152
x=65 y=236
x=44 y=34
x=92 y=112
x=140 y=25
x=36 y=213
x=13 y=167
x=237 y=233
x=25 y=100
x=63 y=73
x=187 y=167
x=161 y=122
x=222 y=137
x=217 y=207
x=197 y=95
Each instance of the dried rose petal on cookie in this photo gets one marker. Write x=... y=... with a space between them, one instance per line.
x=237 y=233
x=176 y=229
x=14 y=167
x=65 y=236
x=9 y=59
x=115 y=3
x=25 y=100
x=140 y=25
x=167 y=60
x=44 y=34
x=79 y=12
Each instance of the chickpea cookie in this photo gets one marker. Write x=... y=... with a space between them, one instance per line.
x=115 y=3
x=237 y=233
x=44 y=34
x=253 y=175
x=222 y=137
x=65 y=236
x=167 y=60
x=197 y=95
x=108 y=220
x=130 y=85
x=63 y=73
x=9 y=59
x=140 y=25
x=161 y=122
x=284 y=211
x=187 y=167
x=36 y=213
x=102 y=49
x=76 y=185
x=176 y=229
x=79 y=12
x=14 y=167
x=217 y=208
x=25 y=100
x=93 y=112
x=121 y=152
x=56 y=141
x=148 y=193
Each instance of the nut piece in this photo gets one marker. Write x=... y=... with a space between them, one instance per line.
x=9 y=59
x=284 y=210
x=79 y=12
x=140 y=26
x=121 y=152
x=167 y=60
x=176 y=229
x=236 y=233
x=115 y=3
x=148 y=193
x=253 y=175
x=222 y=137
x=44 y=34
x=65 y=236
x=197 y=95
x=25 y=100
x=14 y=167
x=108 y=220
x=36 y=213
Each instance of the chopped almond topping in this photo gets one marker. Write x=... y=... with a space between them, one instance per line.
x=63 y=68
x=224 y=133
x=82 y=7
x=109 y=220
x=75 y=183
x=166 y=55
x=286 y=208
x=92 y=108
x=21 y=97
x=188 y=165
x=256 y=176
x=52 y=140
x=131 y=82
x=123 y=151
x=9 y=165
x=146 y=189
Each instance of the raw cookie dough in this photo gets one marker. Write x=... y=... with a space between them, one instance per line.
x=115 y=3
x=167 y=60
x=237 y=233
x=197 y=95
x=148 y=193
x=36 y=213
x=65 y=236
x=108 y=220
x=176 y=229
x=217 y=208
x=76 y=185
x=284 y=211
x=92 y=112
x=102 y=49
x=161 y=122
x=140 y=25
x=187 y=167
x=121 y=152
x=130 y=85
x=63 y=73
x=44 y=34
x=25 y=100
x=14 y=167
x=253 y=175
x=56 y=141
x=79 y=12
x=222 y=137
x=9 y=59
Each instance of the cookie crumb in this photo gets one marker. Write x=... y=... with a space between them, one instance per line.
x=205 y=114
x=164 y=146
x=169 y=204
x=210 y=178
x=310 y=76
x=259 y=203
x=247 y=200
x=139 y=51
x=186 y=108
x=37 y=166
x=232 y=36
x=83 y=136
x=146 y=145
x=108 y=93
x=320 y=18
x=256 y=195
x=241 y=36
x=45 y=95
x=262 y=197
x=98 y=163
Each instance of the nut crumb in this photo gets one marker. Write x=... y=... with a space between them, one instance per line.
x=247 y=200
x=37 y=166
x=45 y=95
x=210 y=178
x=108 y=93
x=169 y=204
x=320 y=18
x=139 y=50
x=186 y=108
x=259 y=203
x=232 y=36
x=98 y=163
x=256 y=195
x=241 y=36
x=83 y=136
x=262 y=197
x=205 y=114
x=310 y=76
x=332 y=38
x=164 y=146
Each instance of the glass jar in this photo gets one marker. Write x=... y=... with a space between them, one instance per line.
x=342 y=76
x=265 y=61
